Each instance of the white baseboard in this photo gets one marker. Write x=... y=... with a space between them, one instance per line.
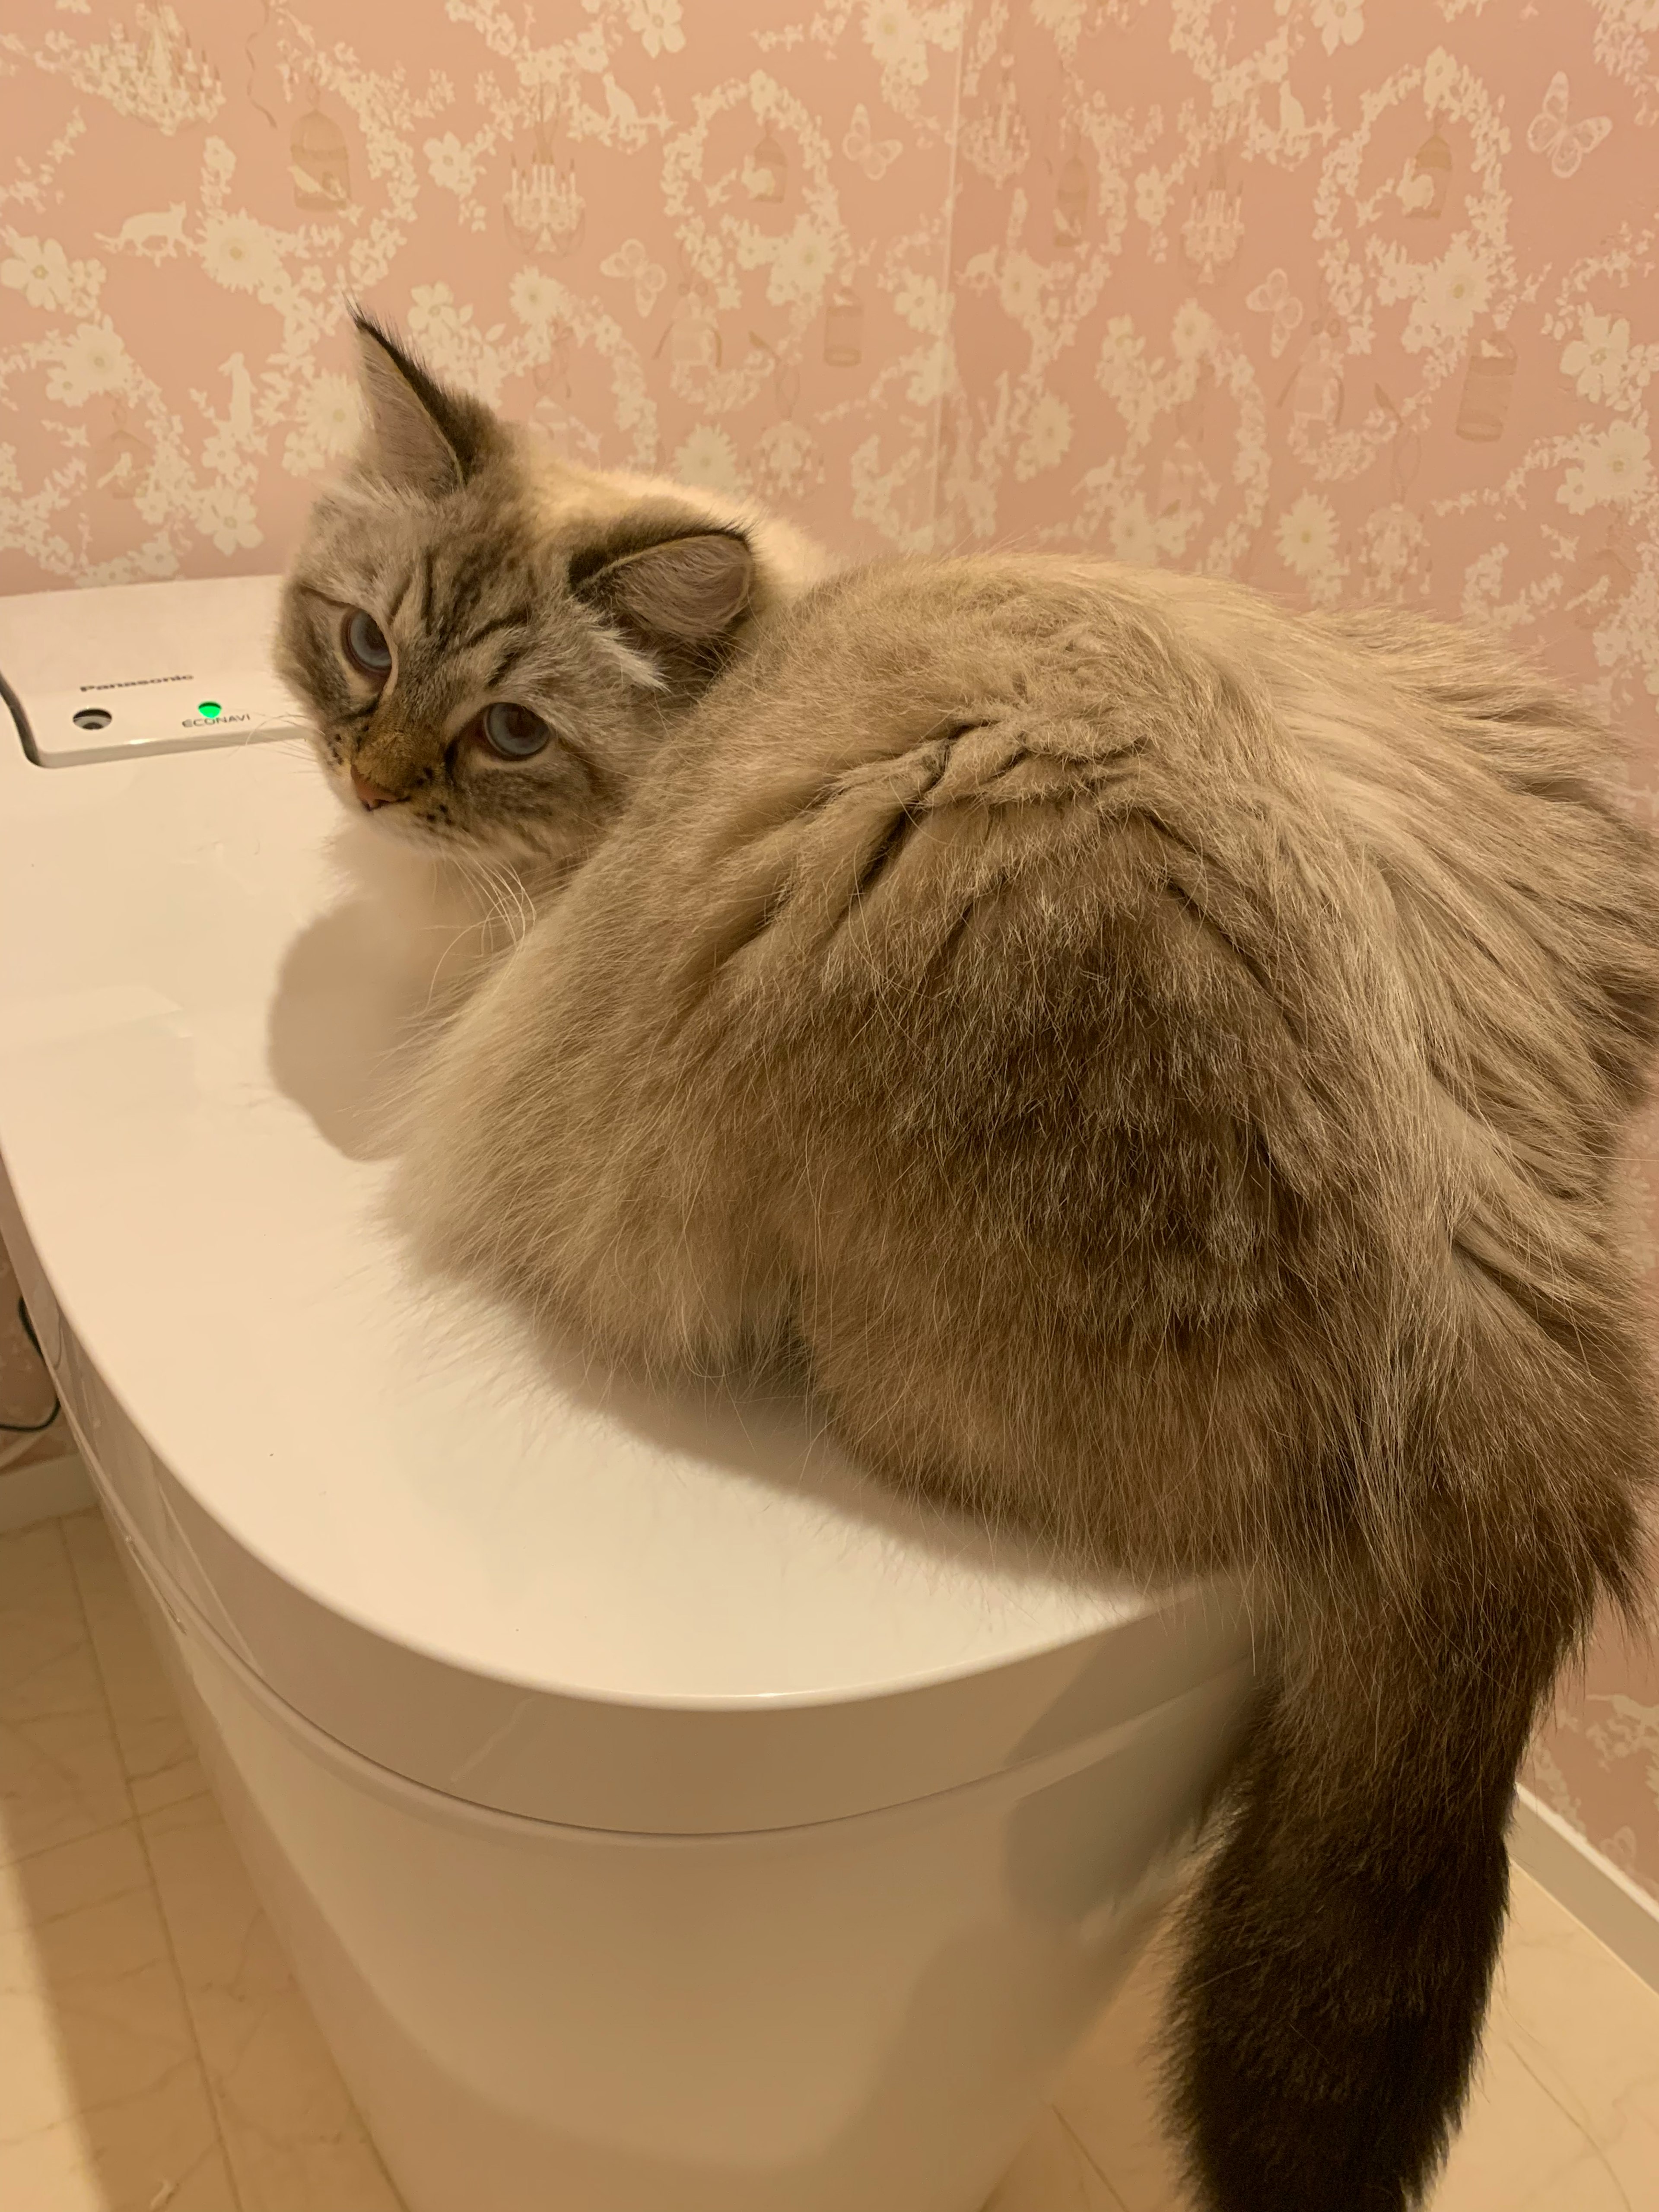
x=43 y=1490
x=1595 y=1891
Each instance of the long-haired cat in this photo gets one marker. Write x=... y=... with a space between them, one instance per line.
x=1161 y=1060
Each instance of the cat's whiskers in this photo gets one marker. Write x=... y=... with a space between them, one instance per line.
x=497 y=885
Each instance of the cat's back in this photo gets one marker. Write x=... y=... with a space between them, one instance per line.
x=919 y=730
x=946 y=781
x=1001 y=757
x=969 y=827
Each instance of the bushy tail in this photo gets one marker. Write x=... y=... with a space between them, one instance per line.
x=1342 y=1941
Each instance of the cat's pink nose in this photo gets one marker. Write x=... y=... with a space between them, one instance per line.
x=371 y=793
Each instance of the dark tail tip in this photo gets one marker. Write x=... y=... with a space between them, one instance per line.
x=1328 y=2017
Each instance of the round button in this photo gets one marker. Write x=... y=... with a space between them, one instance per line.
x=93 y=718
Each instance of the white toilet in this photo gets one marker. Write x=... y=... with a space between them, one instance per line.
x=659 y=1819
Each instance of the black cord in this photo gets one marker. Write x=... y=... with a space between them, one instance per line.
x=33 y=1428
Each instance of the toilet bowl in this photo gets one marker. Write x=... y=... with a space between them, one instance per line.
x=658 y=1818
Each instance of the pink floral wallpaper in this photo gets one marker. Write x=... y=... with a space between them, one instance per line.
x=1353 y=298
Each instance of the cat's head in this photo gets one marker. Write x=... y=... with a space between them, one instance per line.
x=490 y=643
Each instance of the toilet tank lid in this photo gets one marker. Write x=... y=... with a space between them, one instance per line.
x=521 y=1585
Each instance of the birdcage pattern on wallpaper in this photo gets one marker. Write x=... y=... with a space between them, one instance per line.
x=1314 y=392
x=766 y=174
x=693 y=335
x=319 y=162
x=1488 y=383
x=1429 y=179
x=1374 y=320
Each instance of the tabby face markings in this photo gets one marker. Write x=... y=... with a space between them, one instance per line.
x=450 y=712
x=483 y=670
x=508 y=730
x=472 y=694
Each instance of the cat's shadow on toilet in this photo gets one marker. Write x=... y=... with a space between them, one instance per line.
x=362 y=984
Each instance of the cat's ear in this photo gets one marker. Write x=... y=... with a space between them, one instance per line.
x=421 y=437
x=681 y=599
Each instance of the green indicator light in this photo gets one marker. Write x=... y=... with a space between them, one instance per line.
x=210 y=709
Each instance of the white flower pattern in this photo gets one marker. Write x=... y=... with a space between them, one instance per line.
x=1048 y=437
x=39 y=271
x=240 y=253
x=658 y=23
x=1613 y=468
x=1307 y=536
x=1598 y=359
x=708 y=457
x=1339 y=22
x=450 y=165
x=93 y=359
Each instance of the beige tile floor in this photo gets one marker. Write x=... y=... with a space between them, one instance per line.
x=156 y=2056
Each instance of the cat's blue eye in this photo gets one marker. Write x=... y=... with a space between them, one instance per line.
x=365 y=646
x=514 y=732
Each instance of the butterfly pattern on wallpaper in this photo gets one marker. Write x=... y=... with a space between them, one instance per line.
x=1566 y=143
x=1273 y=296
x=631 y=259
x=875 y=156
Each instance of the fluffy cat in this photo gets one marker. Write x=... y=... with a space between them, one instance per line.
x=1161 y=1060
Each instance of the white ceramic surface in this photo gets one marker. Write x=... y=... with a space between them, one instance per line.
x=515 y=1582
x=853 y=2016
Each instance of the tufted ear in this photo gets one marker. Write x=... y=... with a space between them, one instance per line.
x=682 y=598
x=422 y=438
